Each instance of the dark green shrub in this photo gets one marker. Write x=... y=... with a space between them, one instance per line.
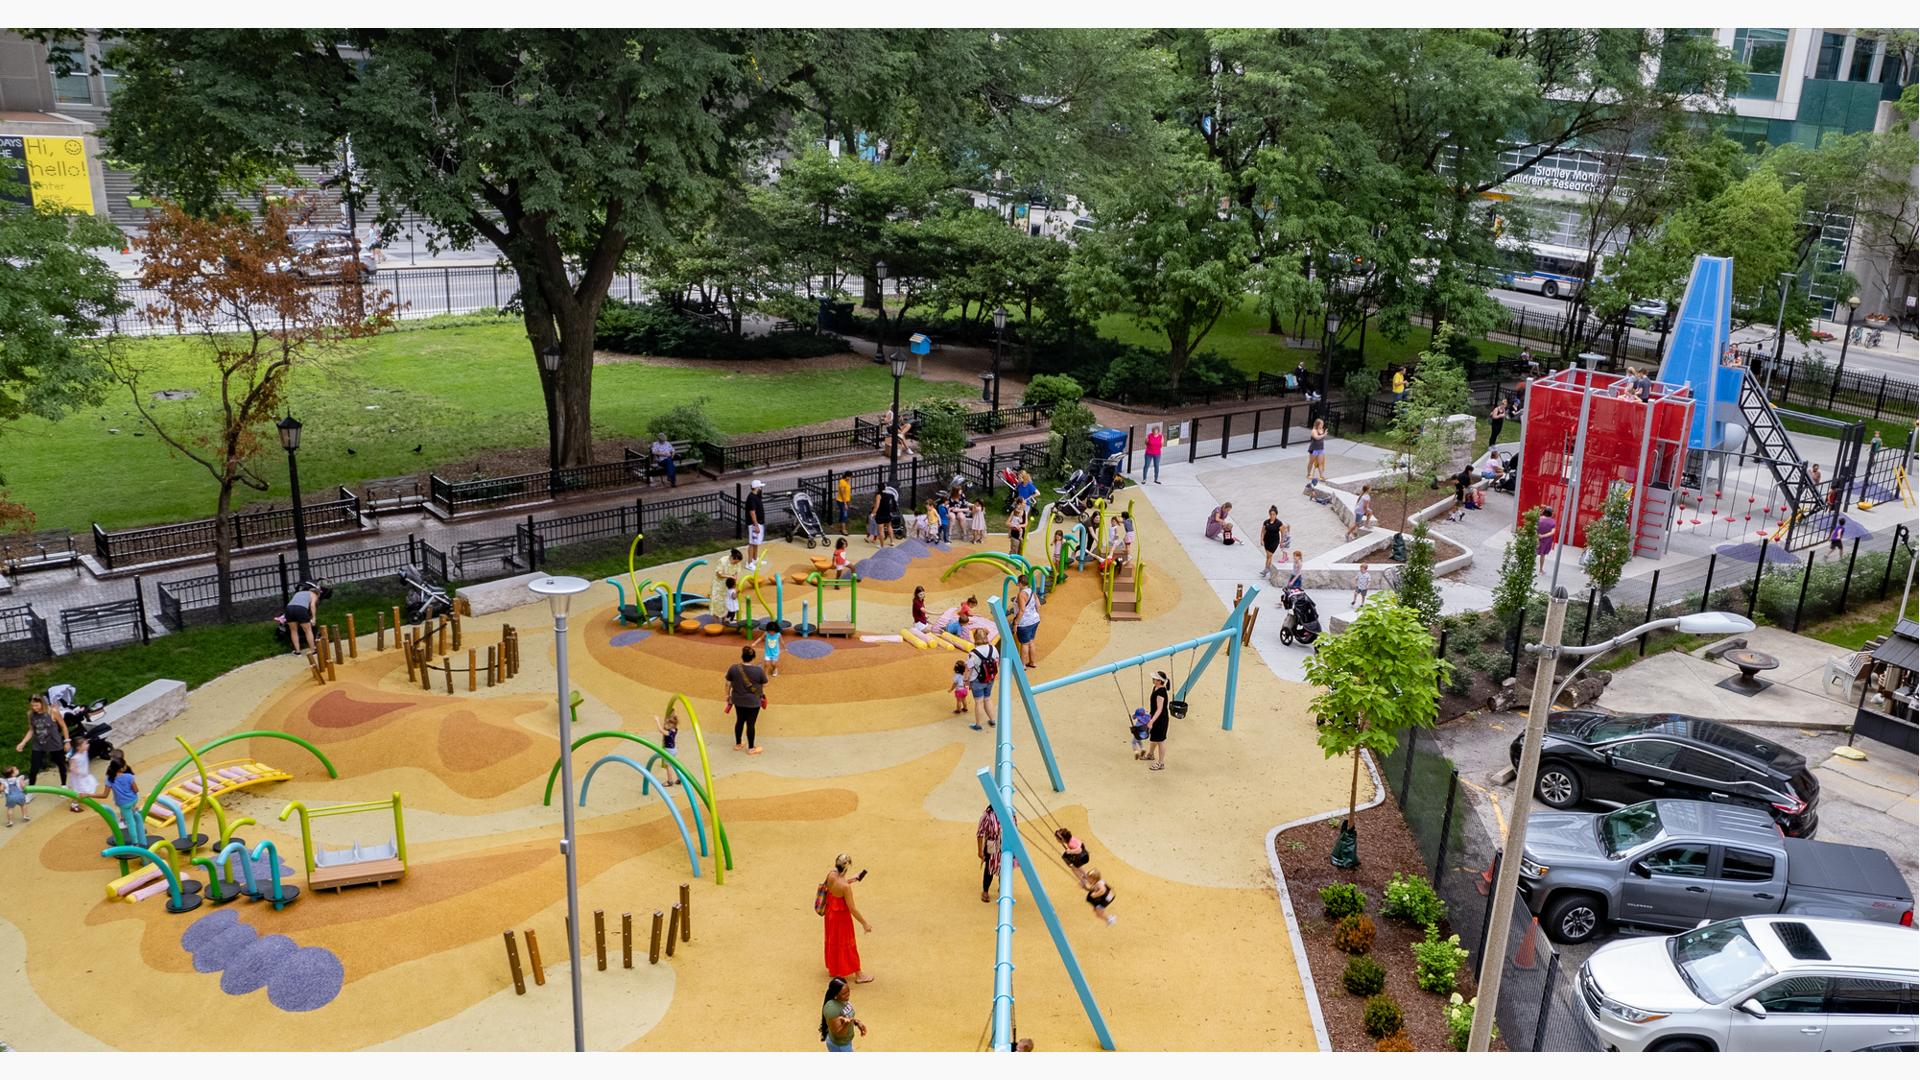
x=686 y=422
x=1410 y=898
x=1364 y=976
x=645 y=329
x=1342 y=899
x=1052 y=391
x=1436 y=963
x=1353 y=934
x=1382 y=1017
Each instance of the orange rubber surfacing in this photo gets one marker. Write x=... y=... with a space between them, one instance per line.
x=862 y=755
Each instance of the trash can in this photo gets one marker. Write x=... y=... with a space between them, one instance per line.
x=1108 y=441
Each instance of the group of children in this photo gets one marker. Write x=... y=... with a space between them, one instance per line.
x=950 y=516
x=1100 y=895
x=80 y=780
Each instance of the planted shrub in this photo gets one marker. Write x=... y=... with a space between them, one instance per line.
x=1353 y=934
x=1051 y=391
x=1411 y=899
x=1396 y=1043
x=1342 y=899
x=645 y=329
x=1459 y=1016
x=1435 y=962
x=1382 y=1017
x=686 y=422
x=1364 y=976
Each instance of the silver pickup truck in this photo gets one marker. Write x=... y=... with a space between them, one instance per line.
x=1669 y=863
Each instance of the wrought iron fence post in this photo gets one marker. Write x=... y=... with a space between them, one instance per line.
x=1406 y=770
x=1846 y=583
x=1806 y=577
x=1486 y=913
x=286 y=591
x=640 y=525
x=140 y=609
x=1893 y=551
x=1758 y=569
x=1446 y=823
x=739 y=528
x=446 y=278
x=1651 y=591
x=1546 y=1000
x=1881 y=398
x=1706 y=590
x=1588 y=623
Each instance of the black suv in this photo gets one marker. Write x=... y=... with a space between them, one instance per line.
x=1626 y=759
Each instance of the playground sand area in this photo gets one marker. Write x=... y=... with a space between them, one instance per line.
x=862 y=756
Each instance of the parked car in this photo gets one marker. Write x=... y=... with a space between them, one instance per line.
x=1670 y=863
x=1755 y=983
x=1596 y=757
x=1655 y=312
x=327 y=254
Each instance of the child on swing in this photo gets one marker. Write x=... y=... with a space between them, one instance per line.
x=1137 y=726
x=1099 y=894
x=1072 y=851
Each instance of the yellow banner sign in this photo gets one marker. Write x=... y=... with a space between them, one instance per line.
x=57 y=170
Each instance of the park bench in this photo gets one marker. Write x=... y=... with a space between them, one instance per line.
x=786 y=326
x=477 y=554
x=394 y=495
x=686 y=456
x=52 y=549
x=94 y=620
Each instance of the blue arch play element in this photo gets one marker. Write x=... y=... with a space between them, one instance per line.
x=179 y=901
x=678 y=822
x=1694 y=351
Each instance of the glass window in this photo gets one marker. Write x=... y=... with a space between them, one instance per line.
x=1874 y=997
x=1719 y=960
x=1737 y=865
x=1679 y=860
x=1711 y=767
x=1630 y=826
x=1653 y=753
x=1862 y=65
x=73 y=88
x=1762 y=51
x=1893 y=67
x=1827 y=65
x=109 y=78
x=1796 y=994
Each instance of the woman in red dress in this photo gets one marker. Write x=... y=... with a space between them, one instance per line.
x=843 y=954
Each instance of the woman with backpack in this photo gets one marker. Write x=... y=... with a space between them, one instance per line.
x=983 y=666
x=834 y=902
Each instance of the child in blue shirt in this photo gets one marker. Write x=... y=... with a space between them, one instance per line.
x=940 y=508
x=770 y=640
x=1137 y=726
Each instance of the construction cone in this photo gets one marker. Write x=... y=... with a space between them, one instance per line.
x=1523 y=958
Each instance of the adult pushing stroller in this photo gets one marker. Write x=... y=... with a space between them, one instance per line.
x=1299 y=618
x=806 y=523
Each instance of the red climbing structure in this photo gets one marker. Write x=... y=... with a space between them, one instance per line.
x=1641 y=444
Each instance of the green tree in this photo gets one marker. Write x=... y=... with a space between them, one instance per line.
x=1417 y=589
x=943 y=430
x=1515 y=588
x=1610 y=543
x=1070 y=424
x=1377 y=678
x=1425 y=441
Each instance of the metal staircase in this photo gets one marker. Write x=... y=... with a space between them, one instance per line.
x=1775 y=450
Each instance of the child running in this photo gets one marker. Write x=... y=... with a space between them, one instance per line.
x=669 y=729
x=80 y=772
x=1099 y=895
x=769 y=639
x=959 y=687
x=841 y=568
x=15 y=790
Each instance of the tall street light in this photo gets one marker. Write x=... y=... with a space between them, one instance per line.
x=893 y=441
x=290 y=439
x=1545 y=691
x=550 y=361
x=999 y=337
x=880 y=332
x=1853 y=307
x=560 y=592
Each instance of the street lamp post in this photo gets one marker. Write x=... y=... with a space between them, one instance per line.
x=1853 y=308
x=1780 y=323
x=550 y=361
x=560 y=592
x=1546 y=690
x=290 y=438
x=880 y=331
x=893 y=440
x=999 y=337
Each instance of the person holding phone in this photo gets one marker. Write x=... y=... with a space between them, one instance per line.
x=842 y=951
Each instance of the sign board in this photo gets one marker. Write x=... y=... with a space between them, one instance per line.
x=54 y=171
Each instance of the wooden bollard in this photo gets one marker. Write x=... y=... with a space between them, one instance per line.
x=445 y=629
x=380 y=633
x=446 y=665
x=333 y=635
x=353 y=638
x=456 y=627
x=686 y=912
x=396 y=624
x=513 y=652
x=653 y=950
x=473 y=671
x=599 y=939
x=317 y=667
x=533 y=959
x=491 y=661
x=673 y=928
x=626 y=939
x=513 y=963
x=406 y=649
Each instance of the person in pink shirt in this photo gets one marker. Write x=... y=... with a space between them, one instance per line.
x=1151 y=462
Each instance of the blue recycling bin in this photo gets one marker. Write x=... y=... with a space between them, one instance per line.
x=1108 y=441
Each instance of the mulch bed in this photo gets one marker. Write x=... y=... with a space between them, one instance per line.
x=1386 y=846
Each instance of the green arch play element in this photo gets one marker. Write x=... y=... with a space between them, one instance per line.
x=113 y=823
x=147 y=807
x=681 y=585
x=692 y=782
x=1006 y=564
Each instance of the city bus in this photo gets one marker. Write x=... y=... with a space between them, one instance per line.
x=1546 y=269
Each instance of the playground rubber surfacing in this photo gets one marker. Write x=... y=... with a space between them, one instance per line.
x=863 y=756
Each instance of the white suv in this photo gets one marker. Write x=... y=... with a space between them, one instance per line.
x=1774 y=982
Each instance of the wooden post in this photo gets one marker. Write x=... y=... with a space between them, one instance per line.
x=473 y=671
x=353 y=638
x=653 y=950
x=444 y=630
x=316 y=666
x=332 y=658
x=380 y=634
x=600 y=939
x=456 y=627
x=626 y=939
x=513 y=652
x=686 y=913
x=406 y=649
x=333 y=635
x=533 y=959
x=513 y=964
x=446 y=665
x=492 y=660
x=673 y=928
x=396 y=624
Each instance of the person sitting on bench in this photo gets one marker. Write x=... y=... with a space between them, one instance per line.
x=662 y=451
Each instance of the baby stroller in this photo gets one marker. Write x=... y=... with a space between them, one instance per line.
x=1076 y=495
x=806 y=523
x=1299 y=619
x=425 y=600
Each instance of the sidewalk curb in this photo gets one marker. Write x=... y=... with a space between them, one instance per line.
x=1286 y=903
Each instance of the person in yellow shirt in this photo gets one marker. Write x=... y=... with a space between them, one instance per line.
x=1399 y=384
x=842 y=501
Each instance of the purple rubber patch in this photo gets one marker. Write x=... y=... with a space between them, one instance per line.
x=912 y=549
x=257 y=964
x=306 y=980
x=223 y=949
x=204 y=929
x=878 y=569
x=629 y=637
x=807 y=648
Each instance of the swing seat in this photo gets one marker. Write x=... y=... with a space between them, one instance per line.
x=1177 y=709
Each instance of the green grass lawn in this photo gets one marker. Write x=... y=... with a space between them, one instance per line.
x=1892 y=429
x=1241 y=336
x=453 y=390
x=1859 y=626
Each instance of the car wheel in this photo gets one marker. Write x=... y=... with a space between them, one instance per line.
x=1685 y=1046
x=1558 y=786
x=1551 y=290
x=1573 y=919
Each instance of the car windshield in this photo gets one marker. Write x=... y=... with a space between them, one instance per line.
x=1719 y=961
x=1629 y=827
x=1615 y=727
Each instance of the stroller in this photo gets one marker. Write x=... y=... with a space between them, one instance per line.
x=425 y=600
x=806 y=523
x=79 y=718
x=1299 y=618
x=1076 y=495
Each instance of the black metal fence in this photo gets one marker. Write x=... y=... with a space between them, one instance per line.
x=1535 y=1010
x=249 y=528
x=260 y=590
x=1823 y=385
x=23 y=637
x=452 y=497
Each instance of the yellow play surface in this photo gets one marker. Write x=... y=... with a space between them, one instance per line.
x=862 y=755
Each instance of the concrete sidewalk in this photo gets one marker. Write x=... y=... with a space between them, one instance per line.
x=1792 y=695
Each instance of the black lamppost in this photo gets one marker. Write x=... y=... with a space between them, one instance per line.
x=893 y=441
x=550 y=360
x=999 y=337
x=290 y=438
x=880 y=333
x=1853 y=306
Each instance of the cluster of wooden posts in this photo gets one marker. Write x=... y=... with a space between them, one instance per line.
x=675 y=927
x=438 y=638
